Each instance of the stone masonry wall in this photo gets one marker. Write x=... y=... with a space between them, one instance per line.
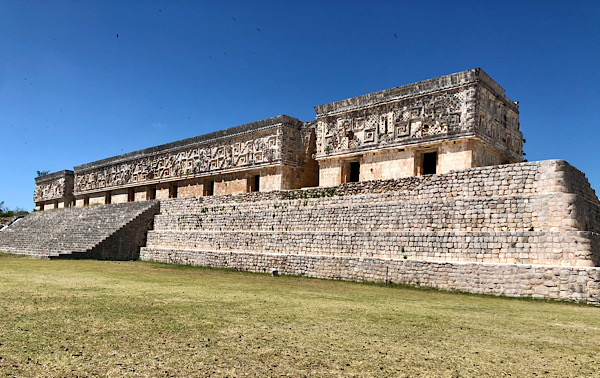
x=512 y=213
x=508 y=222
x=265 y=143
x=503 y=180
x=511 y=197
x=561 y=249
x=550 y=282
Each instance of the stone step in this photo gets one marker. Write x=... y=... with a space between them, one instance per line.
x=74 y=230
x=549 y=248
x=492 y=181
x=513 y=213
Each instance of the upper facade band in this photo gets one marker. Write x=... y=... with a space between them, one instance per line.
x=54 y=187
x=267 y=142
x=455 y=80
x=453 y=122
x=466 y=104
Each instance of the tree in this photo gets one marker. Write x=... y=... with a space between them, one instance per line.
x=6 y=212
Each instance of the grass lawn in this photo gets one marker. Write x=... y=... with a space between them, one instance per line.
x=94 y=318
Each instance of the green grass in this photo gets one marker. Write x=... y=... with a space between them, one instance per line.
x=93 y=318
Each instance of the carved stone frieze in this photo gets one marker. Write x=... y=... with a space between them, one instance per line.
x=498 y=123
x=242 y=151
x=396 y=123
x=49 y=190
x=53 y=186
x=440 y=110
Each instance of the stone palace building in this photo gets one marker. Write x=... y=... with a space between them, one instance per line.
x=454 y=122
x=422 y=184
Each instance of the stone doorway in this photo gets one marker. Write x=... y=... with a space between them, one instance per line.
x=254 y=183
x=151 y=192
x=354 y=174
x=173 y=191
x=209 y=188
x=430 y=163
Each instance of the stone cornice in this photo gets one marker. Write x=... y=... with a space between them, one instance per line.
x=53 y=176
x=455 y=80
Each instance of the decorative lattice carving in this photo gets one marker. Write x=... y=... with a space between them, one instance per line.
x=396 y=122
x=498 y=123
x=239 y=152
x=53 y=188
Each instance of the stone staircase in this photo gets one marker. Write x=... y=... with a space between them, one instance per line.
x=107 y=232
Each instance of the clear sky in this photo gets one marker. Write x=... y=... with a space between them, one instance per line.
x=72 y=92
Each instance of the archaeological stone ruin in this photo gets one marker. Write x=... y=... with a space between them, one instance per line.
x=422 y=184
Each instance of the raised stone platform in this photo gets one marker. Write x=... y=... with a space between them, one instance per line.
x=106 y=232
x=528 y=229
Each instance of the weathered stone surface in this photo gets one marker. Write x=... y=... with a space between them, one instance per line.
x=467 y=108
x=519 y=225
x=266 y=143
x=54 y=190
x=107 y=232
x=453 y=122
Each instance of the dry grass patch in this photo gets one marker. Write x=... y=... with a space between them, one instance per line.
x=92 y=318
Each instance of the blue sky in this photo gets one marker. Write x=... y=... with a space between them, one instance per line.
x=71 y=92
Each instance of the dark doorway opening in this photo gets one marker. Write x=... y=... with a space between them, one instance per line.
x=209 y=188
x=130 y=195
x=256 y=186
x=86 y=200
x=151 y=193
x=354 y=172
x=430 y=163
x=309 y=175
x=173 y=191
x=107 y=198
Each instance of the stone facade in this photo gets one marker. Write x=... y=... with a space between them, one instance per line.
x=526 y=229
x=260 y=156
x=461 y=121
x=421 y=184
x=453 y=122
x=54 y=191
